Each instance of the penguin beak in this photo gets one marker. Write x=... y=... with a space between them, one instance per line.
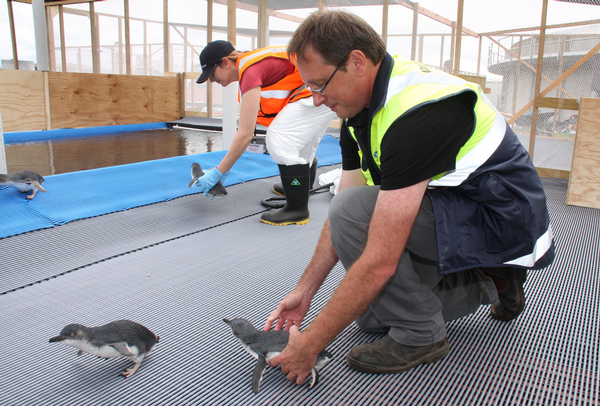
x=56 y=339
x=227 y=321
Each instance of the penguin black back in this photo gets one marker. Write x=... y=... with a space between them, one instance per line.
x=121 y=338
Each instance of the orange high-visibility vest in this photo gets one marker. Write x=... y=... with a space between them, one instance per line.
x=275 y=97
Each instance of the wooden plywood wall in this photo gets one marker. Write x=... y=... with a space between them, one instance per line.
x=22 y=100
x=584 y=182
x=32 y=100
x=91 y=100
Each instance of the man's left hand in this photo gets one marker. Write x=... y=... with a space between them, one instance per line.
x=297 y=359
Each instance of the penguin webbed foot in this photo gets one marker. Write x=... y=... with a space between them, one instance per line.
x=127 y=373
x=79 y=352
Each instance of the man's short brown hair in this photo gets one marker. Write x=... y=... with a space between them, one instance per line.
x=334 y=34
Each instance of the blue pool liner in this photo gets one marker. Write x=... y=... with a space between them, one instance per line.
x=19 y=137
x=77 y=195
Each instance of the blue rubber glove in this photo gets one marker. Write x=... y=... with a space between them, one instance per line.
x=210 y=179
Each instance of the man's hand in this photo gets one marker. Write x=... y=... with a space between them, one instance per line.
x=297 y=359
x=290 y=312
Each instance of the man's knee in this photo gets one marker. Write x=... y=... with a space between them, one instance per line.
x=338 y=207
x=354 y=205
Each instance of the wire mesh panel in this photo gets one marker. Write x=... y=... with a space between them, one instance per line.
x=499 y=42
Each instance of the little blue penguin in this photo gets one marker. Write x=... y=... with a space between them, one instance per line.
x=216 y=190
x=121 y=338
x=24 y=181
x=264 y=345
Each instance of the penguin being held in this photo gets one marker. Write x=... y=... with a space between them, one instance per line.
x=216 y=190
x=24 y=181
x=264 y=345
x=121 y=338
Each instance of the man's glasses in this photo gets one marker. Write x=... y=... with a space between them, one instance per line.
x=321 y=91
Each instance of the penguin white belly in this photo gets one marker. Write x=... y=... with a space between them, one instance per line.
x=23 y=187
x=268 y=356
x=104 y=351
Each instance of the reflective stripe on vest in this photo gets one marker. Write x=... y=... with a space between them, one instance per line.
x=412 y=85
x=275 y=97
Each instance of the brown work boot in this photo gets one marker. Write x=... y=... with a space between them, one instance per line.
x=386 y=356
x=511 y=296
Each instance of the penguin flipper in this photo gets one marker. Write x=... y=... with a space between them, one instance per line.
x=123 y=349
x=261 y=365
x=39 y=187
x=315 y=378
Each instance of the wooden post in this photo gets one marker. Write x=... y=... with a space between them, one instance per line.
x=561 y=53
x=413 y=48
x=145 y=50
x=538 y=78
x=384 y=20
x=50 y=13
x=95 y=42
x=47 y=101
x=166 y=40
x=231 y=21
x=209 y=29
x=127 y=39
x=459 y=23
x=442 y=52
x=120 y=22
x=230 y=92
x=263 y=24
x=452 y=41
x=3 y=166
x=63 y=49
x=479 y=57
x=13 y=36
x=517 y=75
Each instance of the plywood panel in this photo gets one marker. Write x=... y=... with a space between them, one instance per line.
x=584 y=182
x=22 y=100
x=90 y=100
x=480 y=80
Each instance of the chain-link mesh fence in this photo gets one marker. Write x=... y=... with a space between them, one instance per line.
x=500 y=41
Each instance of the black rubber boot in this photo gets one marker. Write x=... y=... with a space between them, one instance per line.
x=295 y=181
x=278 y=188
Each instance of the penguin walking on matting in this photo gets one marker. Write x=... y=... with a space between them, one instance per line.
x=24 y=181
x=264 y=345
x=121 y=338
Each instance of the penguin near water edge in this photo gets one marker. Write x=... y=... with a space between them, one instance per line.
x=24 y=181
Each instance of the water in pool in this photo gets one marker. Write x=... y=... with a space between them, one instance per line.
x=51 y=157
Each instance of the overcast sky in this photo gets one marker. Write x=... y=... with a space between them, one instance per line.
x=479 y=16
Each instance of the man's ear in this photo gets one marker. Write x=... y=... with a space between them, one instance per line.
x=359 y=61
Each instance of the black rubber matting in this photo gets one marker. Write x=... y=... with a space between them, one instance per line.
x=181 y=285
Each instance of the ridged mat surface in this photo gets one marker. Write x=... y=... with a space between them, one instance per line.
x=201 y=263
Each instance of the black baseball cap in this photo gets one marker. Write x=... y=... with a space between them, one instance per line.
x=211 y=56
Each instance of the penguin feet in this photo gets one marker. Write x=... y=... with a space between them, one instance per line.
x=130 y=371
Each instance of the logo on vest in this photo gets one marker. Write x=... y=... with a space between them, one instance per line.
x=295 y=183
